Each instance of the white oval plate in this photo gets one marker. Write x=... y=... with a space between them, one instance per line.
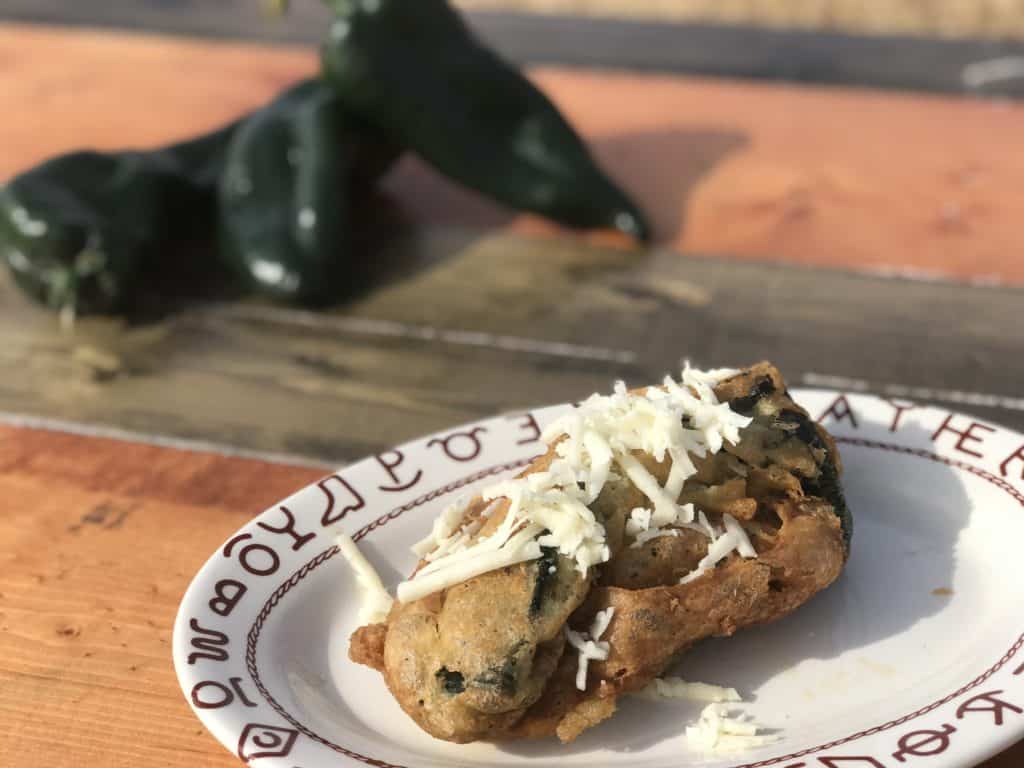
x=912 y=657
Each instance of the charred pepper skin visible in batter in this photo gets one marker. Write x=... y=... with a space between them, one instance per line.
x=415 y=71
x=79 y=230
x=826 y=485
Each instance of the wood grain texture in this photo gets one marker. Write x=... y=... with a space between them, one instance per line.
x=101 y=540
x=718 y=47
x=154 y=90
x=960 y=18
x=980 y=19
x=473 y=326
x=903 y=63
x=857 y=179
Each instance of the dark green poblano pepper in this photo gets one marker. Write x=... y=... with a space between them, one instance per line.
x=78 y=230
x=413 y=68
x=284 y=194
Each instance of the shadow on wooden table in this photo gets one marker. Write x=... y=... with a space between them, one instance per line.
x=196 y=275
x=415 y=200
x=671 y=163
x=884 y=592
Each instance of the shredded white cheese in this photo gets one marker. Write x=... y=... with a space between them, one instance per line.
x=677 y=688
x=743 y=545
x=444 y=526
x=721 y=729
x=734 y=538
x=520 y=548
x=605 y=434
x=376 y=602
x=601 y=621
x=589 y=644
x=707 y=528
x=638 y=522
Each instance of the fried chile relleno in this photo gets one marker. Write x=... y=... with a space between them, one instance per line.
x=500 y=632
x=487 y=658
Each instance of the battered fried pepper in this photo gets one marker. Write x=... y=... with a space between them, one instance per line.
x=466 y=663
x=487 y=658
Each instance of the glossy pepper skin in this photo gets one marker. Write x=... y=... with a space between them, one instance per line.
x=413 y=68
x=284 y=194
x=79 y=230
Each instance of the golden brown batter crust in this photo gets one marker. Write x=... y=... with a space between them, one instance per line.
x=487 y=660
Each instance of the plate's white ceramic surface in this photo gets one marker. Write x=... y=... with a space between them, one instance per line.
x=912 y=658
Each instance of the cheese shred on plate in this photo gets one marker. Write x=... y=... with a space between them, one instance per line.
x=719 y=728
x=677 y=688
x=550 y=509
x=376 y=602
x=723 y=729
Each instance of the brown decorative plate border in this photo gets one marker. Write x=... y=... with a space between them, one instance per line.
x=252 y=638
x=283 y=589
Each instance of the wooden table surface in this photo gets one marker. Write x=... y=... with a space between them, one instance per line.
x=861 y=240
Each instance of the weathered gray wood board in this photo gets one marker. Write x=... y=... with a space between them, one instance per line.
x=491 y=324
x=751 y=49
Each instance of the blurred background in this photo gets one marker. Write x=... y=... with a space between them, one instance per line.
x=824 y=181
x=898 y=43
x=877 y=137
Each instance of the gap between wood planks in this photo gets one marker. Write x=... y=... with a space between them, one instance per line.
x=388 y=328
x=472 y=338
x=373 y=327
x=47 y=424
